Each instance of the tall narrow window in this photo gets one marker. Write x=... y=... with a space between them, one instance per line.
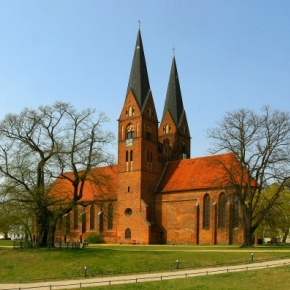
x=131 y=111
x=92 y=217
x=167 y=129
x=127 y=234
x=60 y=223
x=184 y=155
x=206 y=211
x=236 y=212
x=148 y=132
x=222 y=210
x=127 y=160
x=67 y=223
x=110 y=216
x=131 y=160
x=84 y=222
x=76 y=218
x=101 y=221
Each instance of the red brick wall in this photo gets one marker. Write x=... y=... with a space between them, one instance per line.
x=177 y=215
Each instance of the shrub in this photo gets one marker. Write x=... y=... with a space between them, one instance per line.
x=94 y=239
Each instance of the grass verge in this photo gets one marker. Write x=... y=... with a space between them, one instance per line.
x=32 y=265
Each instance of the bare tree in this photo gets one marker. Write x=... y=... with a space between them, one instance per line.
x=261 y=144
x=38 y=146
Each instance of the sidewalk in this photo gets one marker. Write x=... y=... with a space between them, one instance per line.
x=138 y=278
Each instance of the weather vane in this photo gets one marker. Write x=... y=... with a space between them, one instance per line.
x=139 y=23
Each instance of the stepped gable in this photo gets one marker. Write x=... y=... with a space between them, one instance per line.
x=101 y=184
x=199 y=173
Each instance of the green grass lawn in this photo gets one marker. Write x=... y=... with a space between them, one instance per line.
x=29 y=265
x=266 y=279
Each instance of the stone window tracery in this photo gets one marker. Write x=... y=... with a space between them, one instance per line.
x=130 y=131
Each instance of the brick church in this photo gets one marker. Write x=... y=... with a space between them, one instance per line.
x=156 y=193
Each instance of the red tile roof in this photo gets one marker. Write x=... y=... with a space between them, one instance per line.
x=101 y=184
x=199 y=173
x=180 y=175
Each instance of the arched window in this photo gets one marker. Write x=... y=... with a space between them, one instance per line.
x=127 y=160
x=131 y=160
x=206 y=211
x=76 y=218
x=84 y=222
x=110 y=216
x=148 y=132
x=149 y=160
x=60 y=223
x=92 y=217
x=131 y=111
x=128 y=234
x=67 y=223
x=236 y=212
x=167 y=129
x=130 y=132
x=222 y=210
x=127 y=156
x=184 y=155
x=101 y=221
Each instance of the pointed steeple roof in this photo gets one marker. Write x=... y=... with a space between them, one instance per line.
x=173 y=101
x=139 y=81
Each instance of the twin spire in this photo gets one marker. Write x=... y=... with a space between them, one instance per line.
x=139 y=80
x=139 y=84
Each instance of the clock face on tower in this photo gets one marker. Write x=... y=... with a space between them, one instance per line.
x=129 y=142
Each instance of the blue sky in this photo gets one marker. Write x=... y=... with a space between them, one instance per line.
x=230 y=55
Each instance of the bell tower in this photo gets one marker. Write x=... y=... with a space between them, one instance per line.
x=174 y=131
x=139 y=167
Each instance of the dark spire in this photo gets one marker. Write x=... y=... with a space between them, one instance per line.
x=173 y=102
x=139 y=81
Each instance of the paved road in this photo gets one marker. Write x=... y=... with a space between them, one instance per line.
x=138 y=278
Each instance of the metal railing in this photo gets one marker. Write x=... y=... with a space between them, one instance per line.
x=145 y=277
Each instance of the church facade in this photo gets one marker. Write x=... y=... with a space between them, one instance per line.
x=157 y=193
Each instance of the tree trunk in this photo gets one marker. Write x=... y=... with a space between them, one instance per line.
x=248 y=230
x=51 y=233
x=43 y=227
x=248 y=238
x=285 y=235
